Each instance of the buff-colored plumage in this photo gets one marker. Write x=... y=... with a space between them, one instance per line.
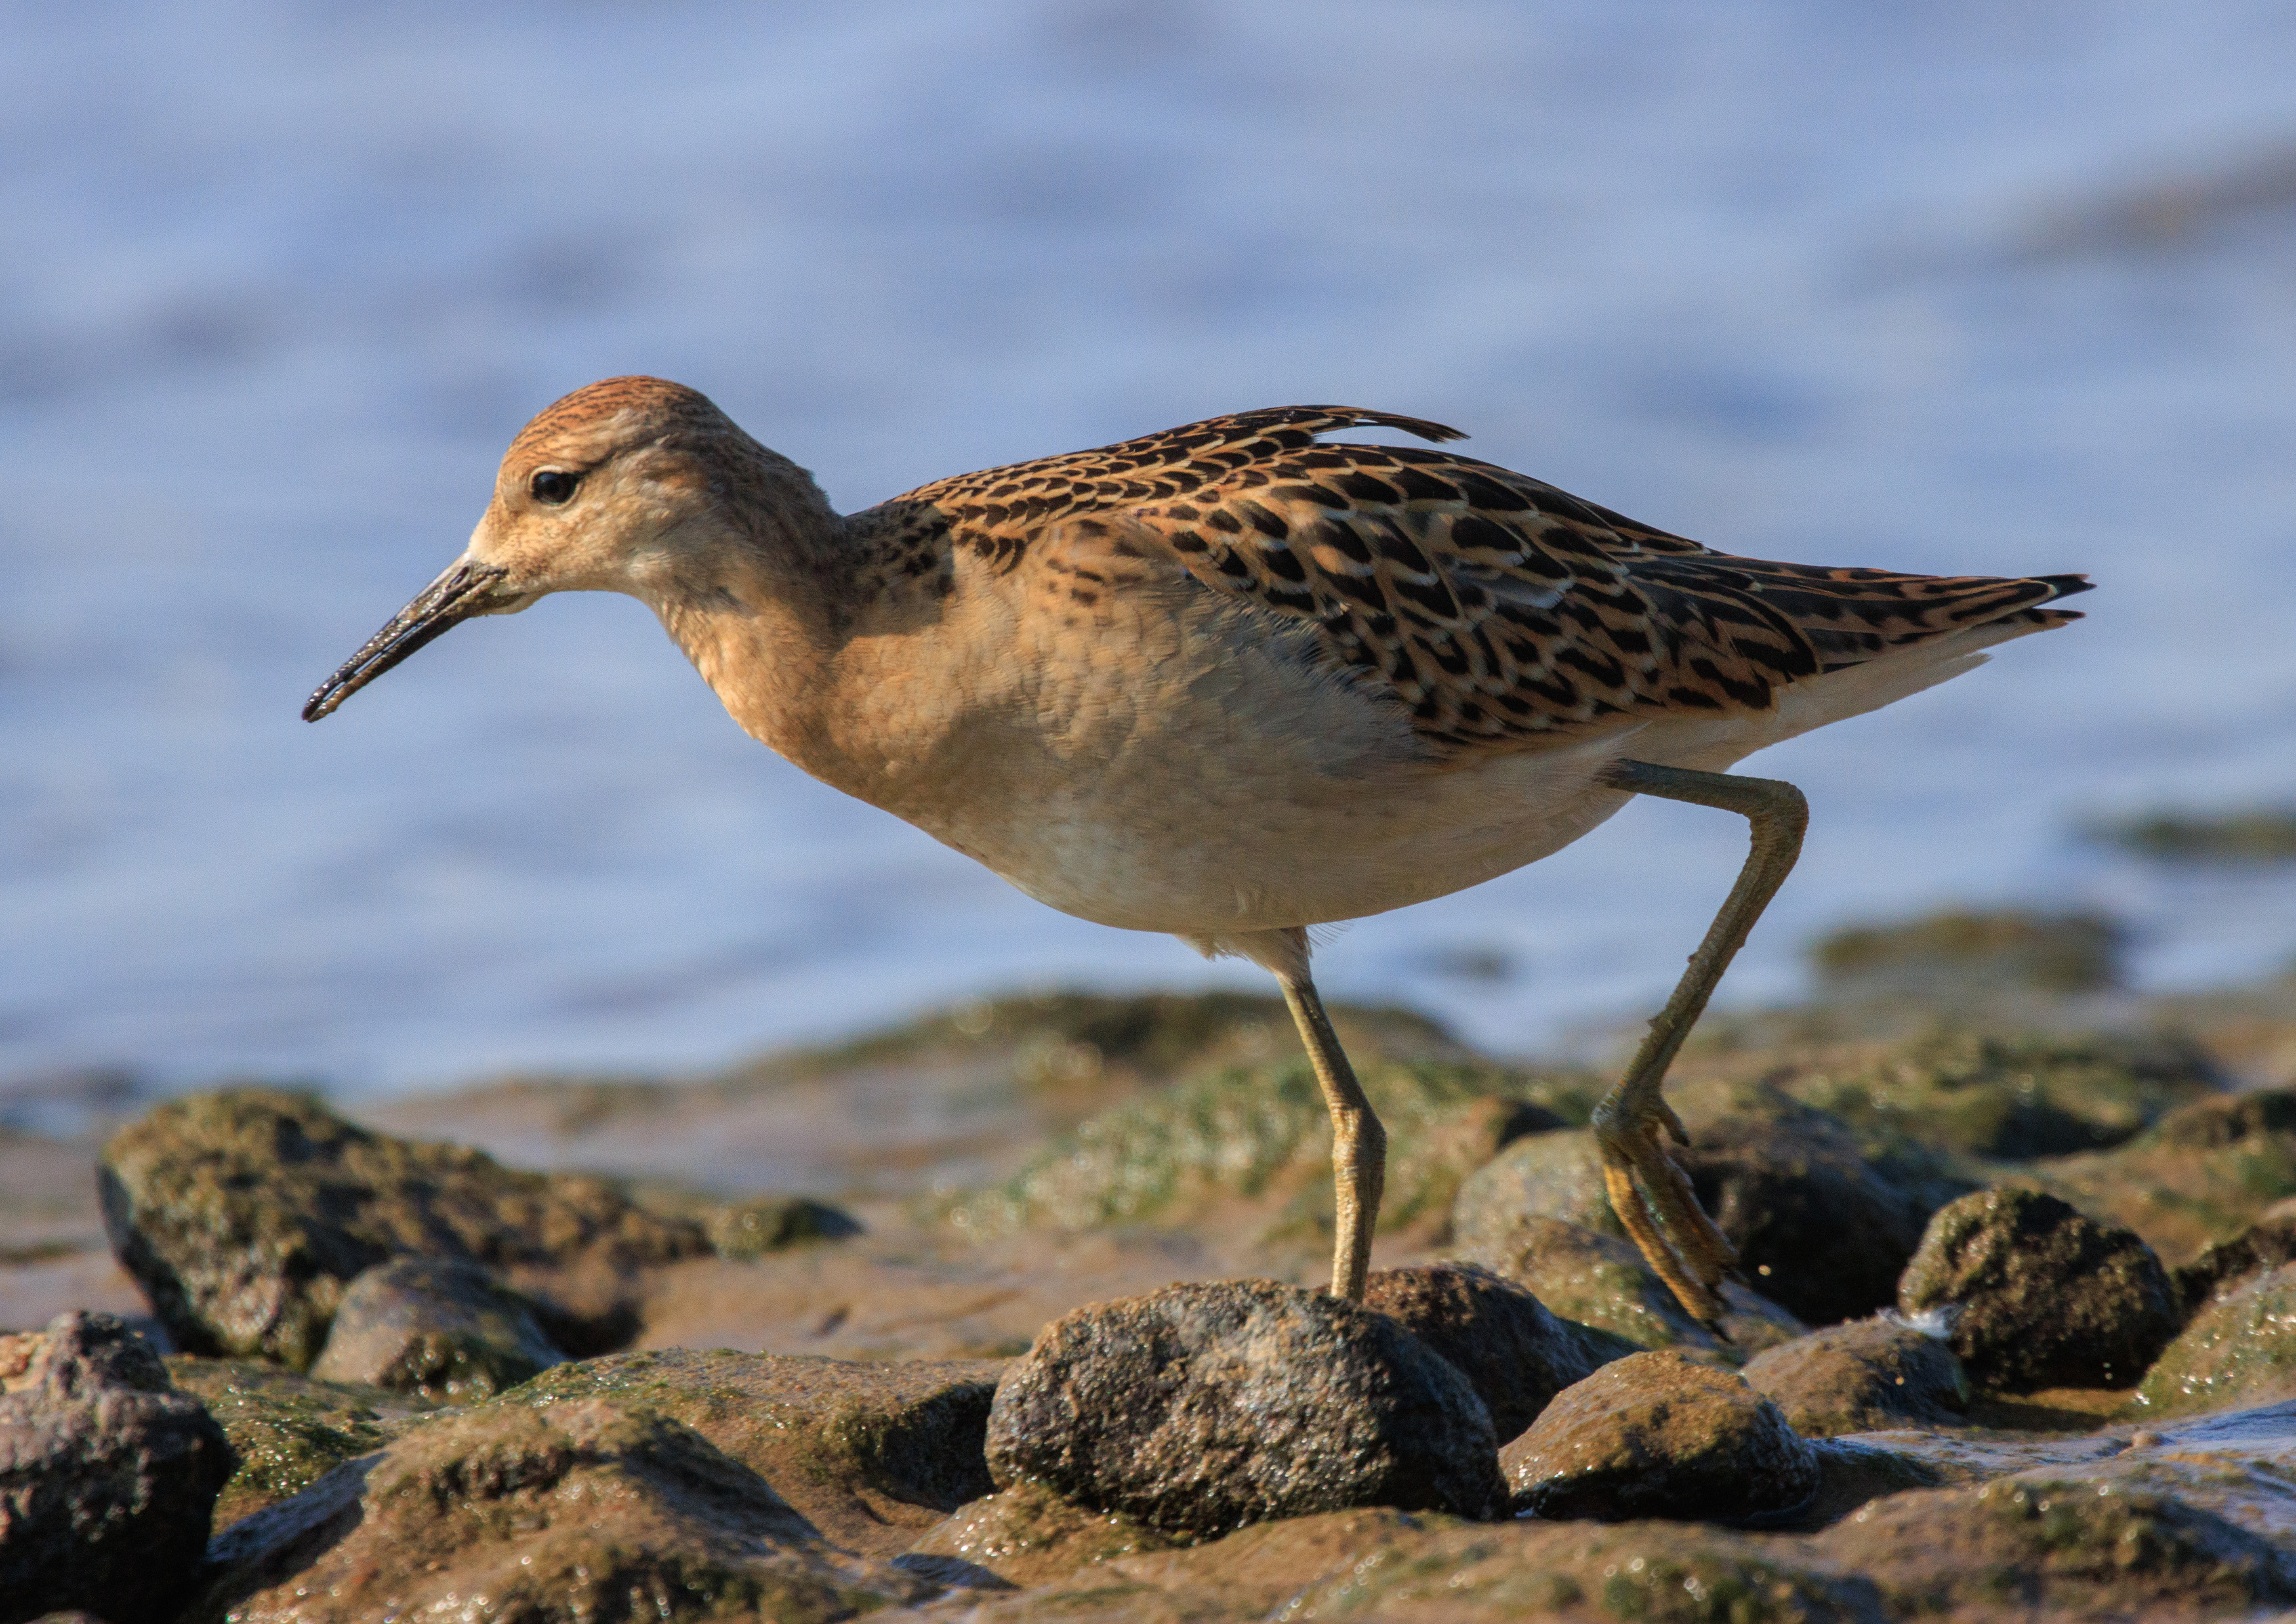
x=1230 y=680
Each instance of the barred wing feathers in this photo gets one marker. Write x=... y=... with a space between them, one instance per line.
x=1496 y=609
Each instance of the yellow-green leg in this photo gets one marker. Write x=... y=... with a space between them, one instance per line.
x=1358 y=1142
x=1649 y=1190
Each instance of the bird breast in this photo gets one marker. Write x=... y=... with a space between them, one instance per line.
x=1170 y=761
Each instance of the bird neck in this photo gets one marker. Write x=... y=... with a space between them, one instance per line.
x=764 y=630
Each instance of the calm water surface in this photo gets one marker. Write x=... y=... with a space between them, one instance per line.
x=1803 y=280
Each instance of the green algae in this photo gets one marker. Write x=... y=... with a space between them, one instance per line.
x=288 y=1430
x=2048 y=952
x=1243 y=1131
x=245 y=1214
x=2239 y=1349
x=2010 y=1096
x=2203 y=1173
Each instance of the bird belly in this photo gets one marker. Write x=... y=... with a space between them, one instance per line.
x=1246 y=790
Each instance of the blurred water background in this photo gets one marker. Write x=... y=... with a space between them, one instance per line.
x=1943 y=287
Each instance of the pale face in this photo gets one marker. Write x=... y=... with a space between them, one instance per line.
x=584 y=502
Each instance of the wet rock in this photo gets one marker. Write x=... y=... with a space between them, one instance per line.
x=287 y=1430
x=1387 y=1566
x=1660 y=1435
x=1825 y=1236
x=108 y=1476
x=1556 y=1175
x=1854 y=1472
x=1602 y=1286
x=2263 y=1246
x=245 y=1215
x=2188 y=1535
x=2035 y=1545
x=1253 y=1574
x=1262 y=1133
x=2013 y=1096
x=873 y=1454
x=752 y=1228
x=444 y=1327
x=580 y=1509
x=1960 y=952
x=1867 y=1376
x=2239 y=1349
x=2040 y=1295
x=1513 y=1353
x=1200 y=1408
x=2205 y=1172
x=1025 y=1535
x=1821 y=1231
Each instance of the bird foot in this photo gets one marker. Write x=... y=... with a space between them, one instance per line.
x=1654 y=1199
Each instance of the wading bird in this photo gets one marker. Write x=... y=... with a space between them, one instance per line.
x=1231 y=681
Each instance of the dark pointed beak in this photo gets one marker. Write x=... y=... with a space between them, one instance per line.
x=465 y=590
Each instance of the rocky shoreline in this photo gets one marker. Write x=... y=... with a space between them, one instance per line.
x=1040 y=1340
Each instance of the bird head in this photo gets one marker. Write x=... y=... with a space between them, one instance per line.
x=631 y=484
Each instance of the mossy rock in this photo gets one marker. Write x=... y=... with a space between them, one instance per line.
x=774 y=1222
x=872 y=1454
x=2006 y=1096
x=288 y=1430
x=2205 y=1172
x=1618 y=1304
x=442 y=1327
x=1959 y=951
x=1264 y=1133
x=1052 y=1036
x=2046 y=1545
x=583 y=1509
x=2040 y=1294
x=1028 y=1534
x=2239 y=1348
x=244 y=1214
x=1554 y=1176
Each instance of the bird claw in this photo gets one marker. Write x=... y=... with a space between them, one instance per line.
x=1654 y=1201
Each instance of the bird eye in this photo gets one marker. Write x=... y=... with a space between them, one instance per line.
x=554 y=485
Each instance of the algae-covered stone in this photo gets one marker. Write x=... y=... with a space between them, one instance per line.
x=288 y=1430
x=1251 y=1131
x=1853 y=1471
x=2013 y=1096
x=1661 y=1574
x=1386 y=1565
x=1960 y=952
x=2040 y=1295
x=107 y=1475
x=1866 y=1376
x=2205 y=1172
x=1200 y=1408
x=1602 y=1284
x=1025 y=1535
x=872 y=1454
x=2239 y=1349
x=769 y=1222
x=444 y=1327
x=2032 y=1547
x=2263 y=1246
x=1253 y=1574
x=1821 y=1228
x=1513 y=1353
x=244 y=1214
x=1556 y=1175
x=1659 y=1435
x=580 y=1510
x=1825 y=1234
